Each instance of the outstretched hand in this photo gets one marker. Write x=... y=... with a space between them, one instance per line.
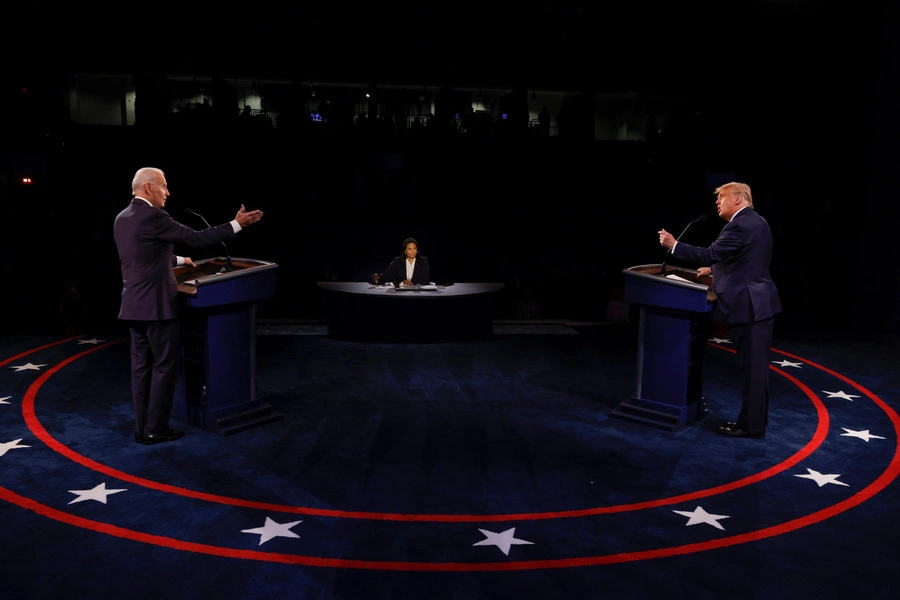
x=666 y=239
x=248 y=218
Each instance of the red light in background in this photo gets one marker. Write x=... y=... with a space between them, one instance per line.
x=26 y=180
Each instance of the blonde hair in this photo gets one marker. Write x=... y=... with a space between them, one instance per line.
x=739 y=189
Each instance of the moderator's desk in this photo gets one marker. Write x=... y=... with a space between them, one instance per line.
x=362 y=311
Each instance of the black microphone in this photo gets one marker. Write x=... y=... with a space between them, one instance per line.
x=189 y=212
x=699 y=219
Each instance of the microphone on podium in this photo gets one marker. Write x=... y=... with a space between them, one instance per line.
x=699 y=219
x=228 y=267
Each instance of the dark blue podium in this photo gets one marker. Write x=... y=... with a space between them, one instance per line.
x=217 y=390
x=674 y=323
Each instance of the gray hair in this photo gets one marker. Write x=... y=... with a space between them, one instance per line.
x=145 y=175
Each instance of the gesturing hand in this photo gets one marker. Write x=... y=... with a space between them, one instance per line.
x=248 y=218
x=666 y=239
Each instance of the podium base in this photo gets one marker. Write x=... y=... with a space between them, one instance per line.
x=659 y=416
x=242 y=419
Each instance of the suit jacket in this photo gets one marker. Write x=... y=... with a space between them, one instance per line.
x=740 y=259
x=144 y=237
x=396 y=271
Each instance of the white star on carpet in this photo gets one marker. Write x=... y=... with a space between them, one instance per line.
x=822 y=479
x=93 y=341
x=787 y=363
x=4 y=399
x=273 y=530
x=701 y=516
x=841 y=394
x=720 y=340
x=502 y=540
x=98 y=493
x=28 y=367
x=7 y=446
x=863 y=435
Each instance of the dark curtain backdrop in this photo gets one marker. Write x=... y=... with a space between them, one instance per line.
x=806 y=124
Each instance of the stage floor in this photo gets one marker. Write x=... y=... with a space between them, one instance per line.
x=485 y=469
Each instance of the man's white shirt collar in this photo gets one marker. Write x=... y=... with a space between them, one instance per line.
x=736 y=213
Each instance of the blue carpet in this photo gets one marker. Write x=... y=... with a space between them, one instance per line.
x=473 y=470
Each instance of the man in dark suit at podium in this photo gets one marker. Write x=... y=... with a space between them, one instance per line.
x=145 y=234
x=747 y=299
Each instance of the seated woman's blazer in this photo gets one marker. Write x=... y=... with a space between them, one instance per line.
x=396 y=271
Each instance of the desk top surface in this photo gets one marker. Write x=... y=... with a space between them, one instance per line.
x=386 y=291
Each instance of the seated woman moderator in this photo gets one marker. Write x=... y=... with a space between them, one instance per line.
x=409 y=269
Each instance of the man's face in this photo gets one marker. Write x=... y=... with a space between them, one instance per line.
x=158 y=192
x=727 y=203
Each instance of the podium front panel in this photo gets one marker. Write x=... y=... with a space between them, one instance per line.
x=675 y=304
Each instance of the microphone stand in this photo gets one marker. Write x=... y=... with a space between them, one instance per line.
x=228 y=266
x=662 y=270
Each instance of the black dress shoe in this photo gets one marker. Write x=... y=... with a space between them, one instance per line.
x=738 y=432
x=729 y=424
x=138 y=437
x=158 y=438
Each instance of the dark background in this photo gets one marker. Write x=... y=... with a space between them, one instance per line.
x=796 y=98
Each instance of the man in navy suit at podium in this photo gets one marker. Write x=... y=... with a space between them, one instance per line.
x=747 y=299
x=145 y=234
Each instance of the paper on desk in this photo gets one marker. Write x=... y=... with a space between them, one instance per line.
x=677 y=278
x=416 y=287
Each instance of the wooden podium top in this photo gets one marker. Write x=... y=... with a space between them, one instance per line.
x=691 y=275
x=678 y=277
x=212 y=271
